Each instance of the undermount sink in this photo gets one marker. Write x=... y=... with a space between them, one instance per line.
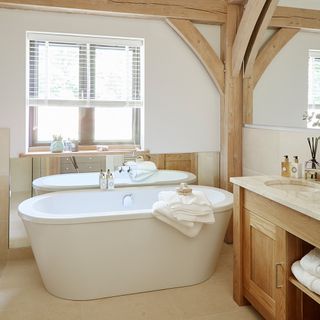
x=293 y=185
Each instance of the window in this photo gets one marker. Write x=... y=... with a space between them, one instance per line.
x=85 y=88
x=313 y=116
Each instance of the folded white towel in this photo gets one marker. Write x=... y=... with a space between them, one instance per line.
x=141 y=170
x=196 y=198
x=311 y=262
x=142 y=165
x=186 y=213
x=304 y=277
x=188 y=231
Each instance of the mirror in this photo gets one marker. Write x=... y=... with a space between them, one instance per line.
x=205 y=165
x=280 y=97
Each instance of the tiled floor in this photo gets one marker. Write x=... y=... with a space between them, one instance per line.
x=23 y=297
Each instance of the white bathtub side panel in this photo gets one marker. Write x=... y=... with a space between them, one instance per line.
x=94 y=260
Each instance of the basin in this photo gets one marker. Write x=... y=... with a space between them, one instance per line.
x=293 y=185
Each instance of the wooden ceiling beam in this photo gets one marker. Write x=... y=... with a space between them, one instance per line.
x=287 y=17
x=247 y=24
x=270 y=50
x=202 y=49
x=204 y=11
x=258 y=35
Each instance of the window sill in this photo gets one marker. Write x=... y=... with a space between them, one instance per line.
x=38 y=152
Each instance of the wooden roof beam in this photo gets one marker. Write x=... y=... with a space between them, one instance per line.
x=202 y=49
x=204 y=11
x=286 y=17
x=257 y=36
x=247 y=24
x=270 y=50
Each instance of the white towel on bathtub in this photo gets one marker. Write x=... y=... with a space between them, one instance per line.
x=186 y=213
x=141 y=170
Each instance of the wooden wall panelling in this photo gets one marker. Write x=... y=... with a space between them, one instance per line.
x=204 y=11
x=158 y=159
x=175 y=161
x=270 y=50
x=231 y=113
x=202 y=49
x=257 y=36
x=181 y=161
x=286 y=17
x=247 y=24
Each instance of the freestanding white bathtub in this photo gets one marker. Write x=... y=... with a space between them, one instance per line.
x=78 y=181
x=90 y=244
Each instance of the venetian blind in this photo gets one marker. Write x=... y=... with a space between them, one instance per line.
x=314 y=79
x=84 y=71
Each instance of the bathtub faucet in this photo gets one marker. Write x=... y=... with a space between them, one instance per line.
x=124 y=168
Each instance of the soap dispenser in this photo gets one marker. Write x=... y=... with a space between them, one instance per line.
x=110 y=182
x=285 y=167
x=296 y=168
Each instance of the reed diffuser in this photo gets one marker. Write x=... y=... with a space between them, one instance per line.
x=312 y=167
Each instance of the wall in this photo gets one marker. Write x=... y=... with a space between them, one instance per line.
x=264 y=149
x=181 y=102
x=281 y=95
x=307 y=4
x=4 y=192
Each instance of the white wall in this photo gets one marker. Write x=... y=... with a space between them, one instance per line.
x=181 y=102
x=281 y=96
x=306 y=4
x=263 y=149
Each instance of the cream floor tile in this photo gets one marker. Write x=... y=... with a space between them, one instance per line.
x=151 y=306
x=22 y=296
x=243 y=313
x=11 y=314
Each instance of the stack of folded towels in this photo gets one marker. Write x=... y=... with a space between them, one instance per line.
x=141 y=170
x=186 y=213
x=307 y=270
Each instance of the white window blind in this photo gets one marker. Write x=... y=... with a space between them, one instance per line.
x=84 y=71
x=314 y=79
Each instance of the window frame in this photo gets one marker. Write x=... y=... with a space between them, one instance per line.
x=86 y=114
x=313 y=54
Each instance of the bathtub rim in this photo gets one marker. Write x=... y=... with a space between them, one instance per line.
x=39 y=185
x=28 y=213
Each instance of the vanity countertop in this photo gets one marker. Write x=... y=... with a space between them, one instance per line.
x=306 y=200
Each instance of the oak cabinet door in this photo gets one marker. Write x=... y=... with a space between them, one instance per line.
x=264 y=266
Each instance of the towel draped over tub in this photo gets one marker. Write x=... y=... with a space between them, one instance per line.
x=186 y=213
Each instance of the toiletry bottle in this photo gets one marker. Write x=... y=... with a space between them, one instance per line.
x=100 y=177
x=285 y=167
x=103 y=181
x=110 y=182
x=295 y=168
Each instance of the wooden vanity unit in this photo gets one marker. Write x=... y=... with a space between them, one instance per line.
x=272 y=229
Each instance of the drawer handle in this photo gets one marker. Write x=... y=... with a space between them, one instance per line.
x=277 y=277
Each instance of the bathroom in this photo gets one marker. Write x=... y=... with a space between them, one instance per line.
x=190 y=119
